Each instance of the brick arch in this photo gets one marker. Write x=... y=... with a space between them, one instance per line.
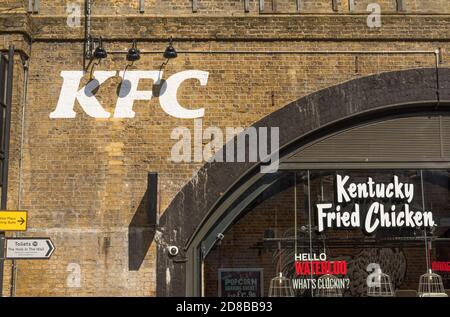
x=304 y=119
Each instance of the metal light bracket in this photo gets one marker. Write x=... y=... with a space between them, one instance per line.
x=299 y=5
x=351 y=5
x=33 y=6
x=401 y=6
x=262 y=7
x=335 y=5
x=91 y=44
x=247 y=6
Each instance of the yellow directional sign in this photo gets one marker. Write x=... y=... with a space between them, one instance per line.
x=13 y=220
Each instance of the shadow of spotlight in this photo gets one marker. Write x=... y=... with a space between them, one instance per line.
x=124 y=88
x=92 y=87
x=159 y=88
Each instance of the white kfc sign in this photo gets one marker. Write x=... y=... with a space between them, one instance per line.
x=71 y=92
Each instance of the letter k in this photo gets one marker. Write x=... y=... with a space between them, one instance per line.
x=341 y=191
x=398 y=188
x=70 y=93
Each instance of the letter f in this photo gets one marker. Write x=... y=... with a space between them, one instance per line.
x=86 y=99
x=129 y=91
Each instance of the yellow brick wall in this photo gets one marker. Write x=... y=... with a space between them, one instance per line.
x=85 y=178
x=224 y=7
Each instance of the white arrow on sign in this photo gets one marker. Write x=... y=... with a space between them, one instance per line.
x=29 y=248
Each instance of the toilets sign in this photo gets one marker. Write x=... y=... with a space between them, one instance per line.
x=29 y=248
x=128 y=93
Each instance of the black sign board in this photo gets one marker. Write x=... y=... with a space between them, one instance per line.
x=241 y=282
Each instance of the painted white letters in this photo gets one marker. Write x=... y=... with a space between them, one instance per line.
x=85 y=96
x=128 y=93
x=169 y=101
x=391 y=208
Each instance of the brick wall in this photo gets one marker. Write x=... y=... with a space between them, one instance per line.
x=226 y=7
x=84 y=179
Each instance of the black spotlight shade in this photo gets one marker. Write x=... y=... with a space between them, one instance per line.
x=133 y=53
x=170 y=51
x=100 y=52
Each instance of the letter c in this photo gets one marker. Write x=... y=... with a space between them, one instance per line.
x=373 y=209
x=169 y=101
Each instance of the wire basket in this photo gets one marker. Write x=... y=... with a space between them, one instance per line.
x=430 y=285
x=381 y=287
x=332 y=291
x=281 y=286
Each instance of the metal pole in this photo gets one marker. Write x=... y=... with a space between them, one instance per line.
x=295 y=214
x=25 y=64
x=438 y=61
x=253 y=52
x=4 y=196
x=425 y=228
x=2 y=255
x=88 y=38
x=7 y=126
x=310 y=224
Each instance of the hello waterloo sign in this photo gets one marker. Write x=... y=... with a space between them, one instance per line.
x=307 y=264
x=128 y=93
x=308 y=267
x=387 y=205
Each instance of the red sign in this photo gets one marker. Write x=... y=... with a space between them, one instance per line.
x=440 y=266
x=320 y=267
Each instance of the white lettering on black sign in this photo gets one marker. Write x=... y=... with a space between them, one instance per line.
x=378 y=214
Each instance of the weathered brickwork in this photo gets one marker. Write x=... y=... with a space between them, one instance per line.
x=83 y=180
x=227 y=7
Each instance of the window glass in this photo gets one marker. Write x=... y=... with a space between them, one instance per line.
x=336 y=233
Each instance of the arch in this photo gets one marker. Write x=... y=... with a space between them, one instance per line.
x=309 y=118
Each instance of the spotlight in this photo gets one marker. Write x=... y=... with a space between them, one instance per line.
x=170 y=50
x=100 y=52
x=133 y=53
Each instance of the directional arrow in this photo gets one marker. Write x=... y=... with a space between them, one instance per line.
x=51 y=248
x=29 y=248
x=13 y=220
